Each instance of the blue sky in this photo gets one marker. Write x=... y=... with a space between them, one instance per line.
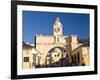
x=42 y=23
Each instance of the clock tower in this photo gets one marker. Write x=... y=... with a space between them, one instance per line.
x=57 y=28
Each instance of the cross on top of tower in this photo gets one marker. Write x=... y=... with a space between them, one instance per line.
x=57 y=20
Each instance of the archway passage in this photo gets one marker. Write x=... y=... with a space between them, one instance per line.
x=57 y=57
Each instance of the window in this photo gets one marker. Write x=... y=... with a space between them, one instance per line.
x=58 y=39
x=78 y=57
x=26 y=59
x=34 y=59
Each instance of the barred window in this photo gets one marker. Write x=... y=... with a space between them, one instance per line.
x=78 y=57
x=26 y=59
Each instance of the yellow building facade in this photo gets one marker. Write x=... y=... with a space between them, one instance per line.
x=27 y=56
x=56 y=50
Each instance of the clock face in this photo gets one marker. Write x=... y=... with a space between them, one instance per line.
x=57 y=29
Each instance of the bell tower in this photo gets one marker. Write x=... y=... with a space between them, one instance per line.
x=57 y=28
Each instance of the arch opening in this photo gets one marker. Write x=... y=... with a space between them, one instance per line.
x=57 y=57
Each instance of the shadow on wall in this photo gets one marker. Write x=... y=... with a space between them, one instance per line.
x=63 y=62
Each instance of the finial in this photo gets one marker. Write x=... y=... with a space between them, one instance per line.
x=58 y=19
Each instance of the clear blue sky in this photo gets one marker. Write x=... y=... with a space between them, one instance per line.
x=42 y=23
